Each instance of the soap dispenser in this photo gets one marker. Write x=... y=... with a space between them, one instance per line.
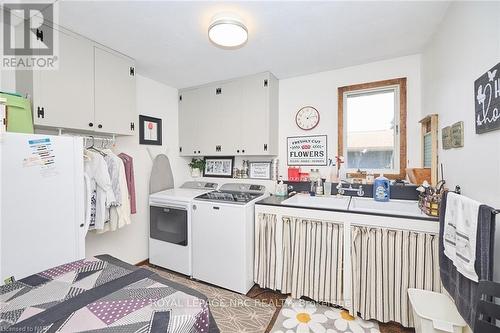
x=281 y=188
x=381 y=189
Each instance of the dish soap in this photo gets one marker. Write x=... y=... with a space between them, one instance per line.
x=381 y=189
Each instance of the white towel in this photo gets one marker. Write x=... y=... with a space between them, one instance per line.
x=460 y=232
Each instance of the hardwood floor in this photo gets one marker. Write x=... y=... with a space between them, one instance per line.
x=271 y=296
x=268 y=296
x=277 y=299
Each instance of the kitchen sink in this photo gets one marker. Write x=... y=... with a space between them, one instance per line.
x=393 y=207
x=330 y=202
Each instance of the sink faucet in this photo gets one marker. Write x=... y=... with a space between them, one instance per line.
x=341 y=190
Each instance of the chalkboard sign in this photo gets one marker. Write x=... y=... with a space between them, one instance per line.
x=487 y=101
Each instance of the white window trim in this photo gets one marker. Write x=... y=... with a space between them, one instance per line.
x=397 y=127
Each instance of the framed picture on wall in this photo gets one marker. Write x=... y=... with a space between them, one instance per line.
x=219 y=167
x=260 y=170
x=149 y=130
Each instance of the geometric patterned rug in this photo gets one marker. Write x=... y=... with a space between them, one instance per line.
x=302 y=317
x=233 y=312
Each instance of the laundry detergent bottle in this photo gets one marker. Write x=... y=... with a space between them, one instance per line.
x=381 y=189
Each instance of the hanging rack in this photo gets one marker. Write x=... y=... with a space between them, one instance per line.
x=102 y=142
x=105 y=141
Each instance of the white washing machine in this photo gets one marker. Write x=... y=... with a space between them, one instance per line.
x=223 y=236
x=170 y=226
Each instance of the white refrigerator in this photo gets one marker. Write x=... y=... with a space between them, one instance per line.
x=41 y=203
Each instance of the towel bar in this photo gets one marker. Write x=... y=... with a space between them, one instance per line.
x=458 y=190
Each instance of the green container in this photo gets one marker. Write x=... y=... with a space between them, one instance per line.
x=19 y=116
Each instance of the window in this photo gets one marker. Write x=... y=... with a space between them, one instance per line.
x=372 y=127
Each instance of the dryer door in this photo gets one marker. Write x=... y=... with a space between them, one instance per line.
x=169 y=224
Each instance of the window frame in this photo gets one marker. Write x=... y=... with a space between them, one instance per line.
x=355 y=89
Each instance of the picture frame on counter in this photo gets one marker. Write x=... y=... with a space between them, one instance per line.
x=259 y=170
x=221 y=167
x=150 y=131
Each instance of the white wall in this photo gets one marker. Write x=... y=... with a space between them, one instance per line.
x=7 y=81
x=466 y=45
x=131 y=242
x=320 y=91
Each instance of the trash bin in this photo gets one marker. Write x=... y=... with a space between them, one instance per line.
x=434 y=312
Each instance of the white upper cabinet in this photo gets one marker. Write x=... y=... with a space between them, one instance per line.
x=93 y=88
x=226 y=119
x=259 y=115
x=63 y=98
x=189 y=121
x=114 y=93
x=237 y=117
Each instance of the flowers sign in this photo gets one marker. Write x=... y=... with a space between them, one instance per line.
x=487 y=101
x=307 y=150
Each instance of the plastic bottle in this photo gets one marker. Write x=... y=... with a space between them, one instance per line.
x=381 y=189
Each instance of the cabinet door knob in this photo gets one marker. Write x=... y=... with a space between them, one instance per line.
x=198 y=151
x=238 y=151
x=91 y=124
x=100 y=126
x=243 y=151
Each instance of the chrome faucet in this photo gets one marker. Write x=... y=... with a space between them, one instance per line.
x=341 y=190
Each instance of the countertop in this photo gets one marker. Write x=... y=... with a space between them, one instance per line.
x=274 y=200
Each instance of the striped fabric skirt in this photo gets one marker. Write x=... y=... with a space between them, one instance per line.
x=305 y=257
x=385 y=263
x=312 y=255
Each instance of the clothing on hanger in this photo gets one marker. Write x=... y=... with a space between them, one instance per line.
x=97 y=170
x=128 y=163
x=113 y=163
x=119 y=215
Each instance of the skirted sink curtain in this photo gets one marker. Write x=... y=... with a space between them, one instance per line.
x=305 y=257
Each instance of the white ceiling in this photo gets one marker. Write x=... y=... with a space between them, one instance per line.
x=169 y=39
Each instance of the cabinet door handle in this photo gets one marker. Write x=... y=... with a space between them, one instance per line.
x=132 y=126
x=100 y=126
x=216 y=208
x=40 y=112
x=91 y=124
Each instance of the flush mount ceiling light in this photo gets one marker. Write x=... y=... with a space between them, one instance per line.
x=227 y=31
